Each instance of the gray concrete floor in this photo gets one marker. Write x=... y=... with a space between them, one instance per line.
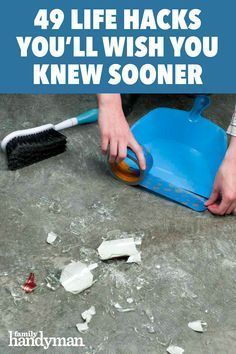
x=188 y=259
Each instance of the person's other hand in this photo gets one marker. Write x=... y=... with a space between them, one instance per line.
x=116 y=135
x=223 y=198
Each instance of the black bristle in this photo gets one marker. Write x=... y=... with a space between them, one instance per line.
x=26 y=150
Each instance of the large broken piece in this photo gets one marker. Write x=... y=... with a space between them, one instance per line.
x=77 y=277
x=120 y=248
x=173 y=349
x=198 y=326
x=87 y=316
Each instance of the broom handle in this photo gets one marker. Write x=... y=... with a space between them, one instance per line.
x=84 y=118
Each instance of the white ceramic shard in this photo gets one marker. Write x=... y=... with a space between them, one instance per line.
x=88 y=314
x=130 y=309
x=82 y=327
x=197 y=326
x=51 y=237
x=130 y=300
x=173 y=349
x=135 y=258
x=119 y=248
x=121 y=309
x=138 y=242
x=77 y=277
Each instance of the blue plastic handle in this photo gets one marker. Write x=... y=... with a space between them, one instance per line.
x=88 y=117
x=200 y=104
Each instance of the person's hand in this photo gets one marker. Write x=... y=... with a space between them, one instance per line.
x=223 y=198
x=116 y=135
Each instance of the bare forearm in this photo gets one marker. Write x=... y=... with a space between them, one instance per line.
x=109 y=100
x=223 y=197
x=115 y=132
x=231 y=152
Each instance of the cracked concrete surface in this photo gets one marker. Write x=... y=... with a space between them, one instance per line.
x=188 y=259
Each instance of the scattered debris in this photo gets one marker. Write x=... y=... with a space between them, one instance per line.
x=198 y=326
x=55 y=207
x=149 y=315
x=136 y=258
x=88 y=254
x=68 y=248
x=77 y=277
x=121 y=309
x=52 y=281
x=228 y=263
x=164 y=344
x=59 y=263
x=150 y=328
x=102 y=211
x=173 y=349
x=130 y=300
x=77 y=225
x=120 y=278
x=82 y=327
x=30 y=284
x=51 y=237
x=120 y=248
x=18 y=295
x=87 y=316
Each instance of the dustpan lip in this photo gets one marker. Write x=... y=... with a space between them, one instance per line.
x=204 y=119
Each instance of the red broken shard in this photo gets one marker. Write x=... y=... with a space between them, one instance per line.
x=30 y=284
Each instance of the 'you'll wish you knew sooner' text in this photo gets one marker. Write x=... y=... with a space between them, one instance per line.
x=147 y=57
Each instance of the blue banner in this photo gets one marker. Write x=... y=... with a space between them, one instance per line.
x=163 y=46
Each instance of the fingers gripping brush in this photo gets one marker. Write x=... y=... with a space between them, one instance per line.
x=26 y=147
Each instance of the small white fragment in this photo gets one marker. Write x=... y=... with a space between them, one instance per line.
x=130 y=309
x=158 y=266
x=138 y=242
x=52 y=281
x=77 y=277
x=117 y=306
x=120 y=248
x=197 y=326
x=51 y=237
x=150 y=328
x=82 y=327
x=173 y=349
x=88 y=314
x=228 y=263
x=135 y=258
x=92 y=266
x=130 y=300
x=121 y=309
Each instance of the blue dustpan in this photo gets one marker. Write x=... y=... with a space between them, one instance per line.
x=183 y=152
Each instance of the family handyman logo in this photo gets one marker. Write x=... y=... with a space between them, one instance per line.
x=37 y=339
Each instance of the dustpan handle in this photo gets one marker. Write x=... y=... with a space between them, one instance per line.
x=200 y=104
